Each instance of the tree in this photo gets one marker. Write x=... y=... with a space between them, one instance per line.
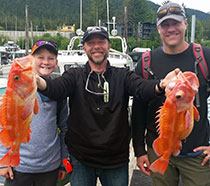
x=138 y=11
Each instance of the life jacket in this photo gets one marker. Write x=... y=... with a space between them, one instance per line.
x=200 y=60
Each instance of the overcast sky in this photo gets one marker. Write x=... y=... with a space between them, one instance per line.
x=202 y=5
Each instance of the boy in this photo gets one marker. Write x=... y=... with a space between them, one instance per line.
x=41 y=157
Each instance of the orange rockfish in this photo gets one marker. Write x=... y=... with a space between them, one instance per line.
x=175 y=118
x=18 y=105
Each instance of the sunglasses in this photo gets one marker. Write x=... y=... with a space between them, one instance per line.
x=105 y=87
x=172 y=10
x=43 y=42
x=93 y=29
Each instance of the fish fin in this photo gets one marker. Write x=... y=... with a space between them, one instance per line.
x=158 y=146
x=196 y=113
x=5 y=139
x=36 y=106
x=27 y=136
x=11 y=158
x=27 y=110
x=188 y=120
x=160 y=165
x=177 y=148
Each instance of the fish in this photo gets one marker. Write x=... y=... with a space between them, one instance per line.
x=18 y=105
x=175 y=118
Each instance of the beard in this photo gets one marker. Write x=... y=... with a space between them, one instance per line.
x=98 y=62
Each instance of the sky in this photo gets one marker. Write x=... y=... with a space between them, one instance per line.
x=202 y=5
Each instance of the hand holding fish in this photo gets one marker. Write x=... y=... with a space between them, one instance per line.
x=163 y=83
x=206 y=151
x=41 y=83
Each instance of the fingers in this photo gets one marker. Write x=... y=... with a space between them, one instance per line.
x=202 y=148
x=61 y=174
x=7 y=172
x=143 y=164
x=177 y=70
x=206 y=151
x=145 y=170
x=205 y=160
x=41 y=83
x=11 y=175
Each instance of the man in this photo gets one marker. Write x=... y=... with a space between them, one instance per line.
x=191 y=164
x=98 y=130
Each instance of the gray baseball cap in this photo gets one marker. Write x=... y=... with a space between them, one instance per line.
x=170 y=10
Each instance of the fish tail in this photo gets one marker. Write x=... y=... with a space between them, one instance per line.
x=11 y=158
x=160 y=165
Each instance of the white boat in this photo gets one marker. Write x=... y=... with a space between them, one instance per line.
x=8 y=52
x=3 y=85
x=75 y=56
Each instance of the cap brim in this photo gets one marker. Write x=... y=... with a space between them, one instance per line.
x=94 y=33
x=179 y=18
x=50 y=47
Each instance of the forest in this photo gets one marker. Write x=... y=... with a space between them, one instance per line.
x=50 y=14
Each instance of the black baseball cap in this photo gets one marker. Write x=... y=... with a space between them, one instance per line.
x=170 y=10
x=95 y=30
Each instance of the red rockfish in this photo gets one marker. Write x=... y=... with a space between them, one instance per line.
x=18 y=105
x=175 y=118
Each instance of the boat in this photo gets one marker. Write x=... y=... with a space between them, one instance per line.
x=8 y=52
x=3 y=85
x=136 y=54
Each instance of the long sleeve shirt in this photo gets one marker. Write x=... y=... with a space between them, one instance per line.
x=46 y=148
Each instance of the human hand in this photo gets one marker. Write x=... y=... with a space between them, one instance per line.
x=144 y=164
x=61 y=174
x=206 y=151
x=41 y=83
x=167 y=79
x=7 y=172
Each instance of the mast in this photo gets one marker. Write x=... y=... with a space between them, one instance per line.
x=107 y=7
x=26 y=30
x=125 y=34
x=81 y=14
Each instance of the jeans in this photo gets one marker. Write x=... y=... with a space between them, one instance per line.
x=87 y=176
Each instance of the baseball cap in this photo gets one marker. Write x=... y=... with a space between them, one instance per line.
x=170 y=10
x=45 y=44
x=95 y=30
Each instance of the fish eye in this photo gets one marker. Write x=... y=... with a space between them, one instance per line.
x=16 y=78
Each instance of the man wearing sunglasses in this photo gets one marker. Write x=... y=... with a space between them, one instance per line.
x=98 y=130
x=192 y=164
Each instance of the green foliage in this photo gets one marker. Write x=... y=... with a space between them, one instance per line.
x=138 y=11
x=61 y=42
x=206 y=43
x=132 y=43
x=49 y=14
x=3 y=38
x=116 y=44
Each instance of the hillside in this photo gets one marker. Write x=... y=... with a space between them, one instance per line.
x=49 y=14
